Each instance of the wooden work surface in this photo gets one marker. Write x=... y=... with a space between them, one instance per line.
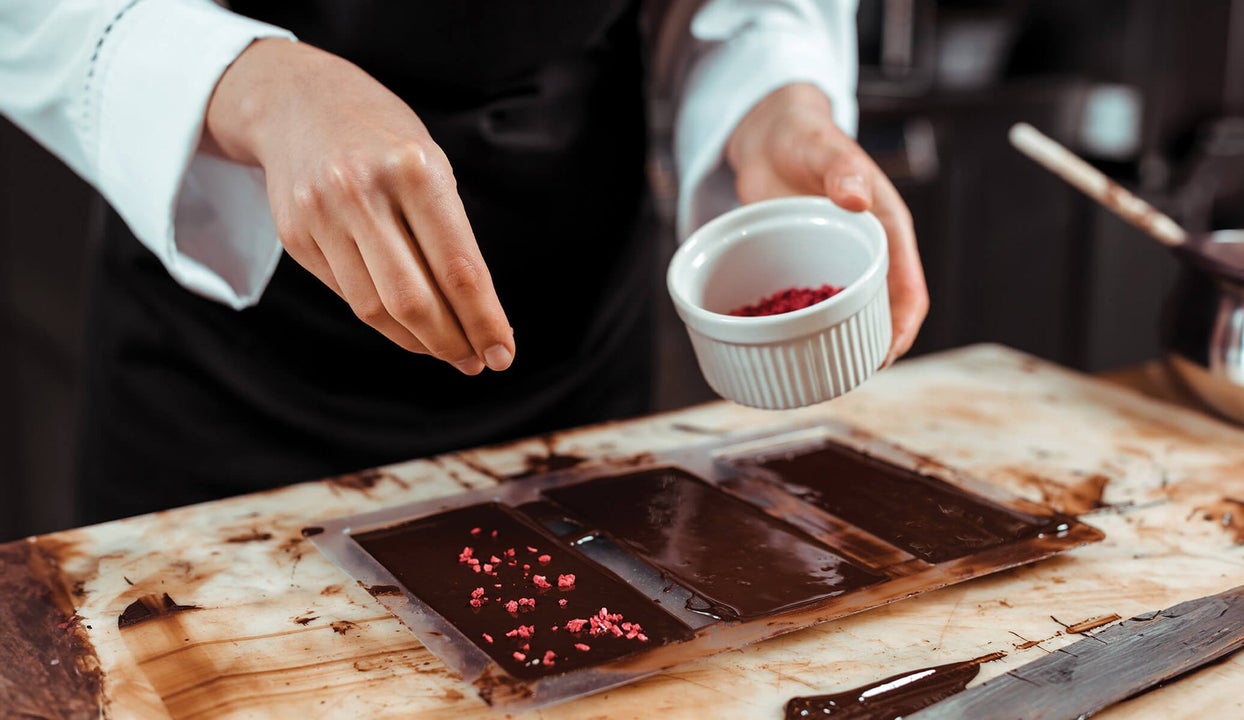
x=279 y=631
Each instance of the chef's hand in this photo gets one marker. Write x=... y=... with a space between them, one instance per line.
x=363 y=199
x=788 y=144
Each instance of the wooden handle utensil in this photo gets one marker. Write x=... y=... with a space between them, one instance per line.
x=1092 y=182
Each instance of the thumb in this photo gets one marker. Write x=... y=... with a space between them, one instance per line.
x=846 y=181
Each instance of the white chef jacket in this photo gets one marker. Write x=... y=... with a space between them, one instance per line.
x=118 y=89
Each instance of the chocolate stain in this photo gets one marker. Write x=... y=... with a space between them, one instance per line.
x=919 y=513
x=311 y=530
x=894 y=696
x=305 y=620
x=378 y=590
x=252 y=536
x=424 y=556
x=149 y=607
x=341 y=627
x=1227 y=513
x=51 y=668
x=1084 y=626
x=742 y=561
x=1074 y=498
x=364 y=480
x=545 y=464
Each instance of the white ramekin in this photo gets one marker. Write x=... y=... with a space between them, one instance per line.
x=797 y=358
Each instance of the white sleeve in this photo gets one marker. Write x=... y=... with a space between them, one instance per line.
x=118 y=89
x=743 y=50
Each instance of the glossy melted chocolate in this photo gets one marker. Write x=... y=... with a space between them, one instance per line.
x=892 y=698
x=743 y=562
x=923 y=515
x=424 y=555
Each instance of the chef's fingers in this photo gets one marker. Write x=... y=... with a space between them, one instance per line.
x=909 y=295
x=428 y=195
x=359 y=291
x=406 y=288
x=846 y=171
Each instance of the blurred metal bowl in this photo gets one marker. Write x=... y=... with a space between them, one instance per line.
x=1203 y=323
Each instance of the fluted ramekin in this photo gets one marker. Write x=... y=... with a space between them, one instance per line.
x=797 y=358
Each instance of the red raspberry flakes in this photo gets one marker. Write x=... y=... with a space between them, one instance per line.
x=494 y=560
x=511 y=606
x=575 y=625
x=530 y=549
x=565 y=582
x=784 y=301
x=466 y=555
x=477 y=592
x=562 y=602
x=519 y=656
x=528 y=603
x=541 y=582
x=582 y=647
x=476 y=531
x=548 y=658
x=522 y=631
x=487 y=638
x=545 y=559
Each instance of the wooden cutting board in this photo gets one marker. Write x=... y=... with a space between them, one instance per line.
x=256 y=622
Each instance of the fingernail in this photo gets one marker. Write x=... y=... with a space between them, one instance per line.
x=470 y=366
x=498 y=357
x=853 y=185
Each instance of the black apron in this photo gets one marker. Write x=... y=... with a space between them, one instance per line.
x=539 y=106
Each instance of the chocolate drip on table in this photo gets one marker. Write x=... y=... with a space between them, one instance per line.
x=740 y=560
x=923 y=515
x=424 y=556
x=892 y=697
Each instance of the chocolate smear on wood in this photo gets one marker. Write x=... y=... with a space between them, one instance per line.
x=1086 y=625
x=148 y=607
x=545 y=464
x=50 y=668
x=1228 y=513
x=364 y=480
x=252 y=536
x=1074 y=497
x=378 y=590
x=311 y=530
x=892 y=697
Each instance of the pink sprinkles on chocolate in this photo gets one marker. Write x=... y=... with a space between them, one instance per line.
x=602 y=623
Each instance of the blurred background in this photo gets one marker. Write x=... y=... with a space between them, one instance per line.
x=1150 y=91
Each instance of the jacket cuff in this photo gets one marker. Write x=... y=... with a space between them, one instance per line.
x=206 y=219
x=727 y=80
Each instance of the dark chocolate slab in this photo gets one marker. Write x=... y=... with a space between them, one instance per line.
x=743 y=562
x=923 y=515
x=425 y=555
